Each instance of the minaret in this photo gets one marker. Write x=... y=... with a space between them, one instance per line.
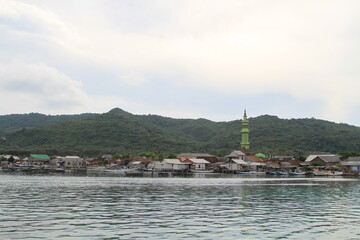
x=245 y=132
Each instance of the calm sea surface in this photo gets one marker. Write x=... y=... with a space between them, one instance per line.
x=219 y=207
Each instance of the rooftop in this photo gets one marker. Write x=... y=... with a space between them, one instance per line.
x=323 y=157
x=194 y=155
x=174 y=161
x=40 y=156
x=235 y=153
x=198 y=160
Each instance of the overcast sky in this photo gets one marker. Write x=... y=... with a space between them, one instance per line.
x=182 y=58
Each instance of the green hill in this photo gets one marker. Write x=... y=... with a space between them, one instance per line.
x=121 y=132
x=14 y=122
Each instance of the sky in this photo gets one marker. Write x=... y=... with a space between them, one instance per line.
x=182 y=58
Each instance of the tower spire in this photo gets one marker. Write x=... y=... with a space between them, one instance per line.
x=245 y=132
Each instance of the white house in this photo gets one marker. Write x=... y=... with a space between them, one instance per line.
x=236 y=154
x=69 y=162
x=352 y=163
x=169 y=165
x=198 y=164
x=236 y=164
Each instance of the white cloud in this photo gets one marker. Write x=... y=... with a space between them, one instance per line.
x=32 y=28
x=38 y=87
x=308 y=49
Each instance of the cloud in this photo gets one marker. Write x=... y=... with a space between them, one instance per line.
x=304 y=49
x=38 y=87
x=36 y=32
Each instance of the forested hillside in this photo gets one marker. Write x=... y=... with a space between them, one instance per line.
x=124 y=133
x=13 y=122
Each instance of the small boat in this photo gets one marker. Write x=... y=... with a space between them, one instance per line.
x=241 y=172
x=320 y=173
x=202 y=171
x=257 y=173
x=281 y=173
x=297 y=173
x=250 y=173
x=328 y=173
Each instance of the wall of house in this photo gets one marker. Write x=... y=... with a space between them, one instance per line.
x=234 y=166
x=180 y=166
x=200 y=166
x=163 y=166
x=73 y=163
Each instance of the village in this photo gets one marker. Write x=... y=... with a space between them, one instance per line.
x=236 y=162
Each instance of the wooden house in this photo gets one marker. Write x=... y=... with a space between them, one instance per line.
x=236 y=154
x=236 y=164
x=322 y=160
x=198 y=164
x=352 y=163
x=169 y=165
x=208 y=157
x=68 y=162
x=39 y=159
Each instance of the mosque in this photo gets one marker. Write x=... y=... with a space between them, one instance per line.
x=245 y=144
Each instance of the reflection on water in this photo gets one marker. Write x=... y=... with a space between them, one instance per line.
x=102 y=207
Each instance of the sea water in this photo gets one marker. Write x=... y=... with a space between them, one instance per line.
x=210 y=207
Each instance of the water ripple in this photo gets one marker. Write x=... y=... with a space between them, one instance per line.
x=82 y=207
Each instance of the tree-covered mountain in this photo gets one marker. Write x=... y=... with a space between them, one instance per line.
x=13 y=122
x=124 y=133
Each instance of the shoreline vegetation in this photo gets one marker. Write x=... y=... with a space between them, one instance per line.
x=121 y=133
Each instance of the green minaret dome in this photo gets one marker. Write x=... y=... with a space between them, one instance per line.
x=245 y=132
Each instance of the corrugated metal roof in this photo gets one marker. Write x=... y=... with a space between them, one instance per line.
x=239 y=161
x=194 y=155
x=175 y=161
x=40 y=156
x=235 y=154
x=198 y=160
x=350 y=163
x=330 y=159
x=312 y=157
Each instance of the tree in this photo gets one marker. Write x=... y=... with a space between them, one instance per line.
x=346 y=154
x=171 y=155
x=11 y=159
